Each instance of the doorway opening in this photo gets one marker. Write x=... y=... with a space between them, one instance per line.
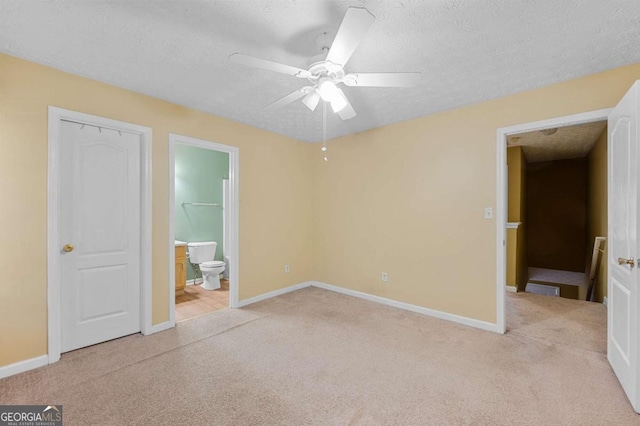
x=557 y=211
x=552 y=204
x=203 y=249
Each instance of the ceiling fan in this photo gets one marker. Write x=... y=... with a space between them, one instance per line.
x=326 y=74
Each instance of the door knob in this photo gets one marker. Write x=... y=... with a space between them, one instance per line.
x=623 y=261
x=67 y=248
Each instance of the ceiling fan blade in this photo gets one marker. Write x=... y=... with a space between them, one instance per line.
x=347 y=111
x=252 y=61
x=311 y=100
x=354 y=26
x=382 y=79
x=290 y=98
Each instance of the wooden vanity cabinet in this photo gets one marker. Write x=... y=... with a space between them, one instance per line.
x=181 y=269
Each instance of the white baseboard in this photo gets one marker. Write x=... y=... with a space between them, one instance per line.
x=156 y=328
x=194 y=281
x=41 y=361
x=605 y=301
x=22 y=366
x=511 y=289
x=274 y=293
x=483 y=325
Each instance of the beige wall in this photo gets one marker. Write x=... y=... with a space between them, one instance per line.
x=275 y=194
x=597 y=217
x=408 y=198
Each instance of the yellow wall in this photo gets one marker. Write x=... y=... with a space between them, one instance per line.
x=512 y=259
x=275 y=194
x=516 y=179
x=597 y=207
x=522 y=271
x=516 y=209
x=517 y=273
x=408 y=198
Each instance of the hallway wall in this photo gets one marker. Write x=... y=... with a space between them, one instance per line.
x=557 y=214
x=516 y=238
x=597 y=209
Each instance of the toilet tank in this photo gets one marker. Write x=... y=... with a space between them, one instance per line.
x=204 y=251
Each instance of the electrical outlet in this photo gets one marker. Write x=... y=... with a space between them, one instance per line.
x=286 y=269
x=385 y=277
x=488 y=213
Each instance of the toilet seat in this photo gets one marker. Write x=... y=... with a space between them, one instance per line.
x=212 y=264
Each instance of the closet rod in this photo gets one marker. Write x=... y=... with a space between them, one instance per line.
x=184 y=203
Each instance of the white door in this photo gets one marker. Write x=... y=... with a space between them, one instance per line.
x=99 y=228
x=623 y=294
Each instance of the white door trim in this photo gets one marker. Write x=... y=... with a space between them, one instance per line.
x=56 y=115
x=234 y=169
x=501 y=194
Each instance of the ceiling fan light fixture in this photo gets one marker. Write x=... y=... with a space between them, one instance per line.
x=311 y=100
x=338 y=103
x=329 y=92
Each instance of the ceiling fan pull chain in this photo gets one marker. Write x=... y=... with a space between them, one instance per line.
x=324 y=130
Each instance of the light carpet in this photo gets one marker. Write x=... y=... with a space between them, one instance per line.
x=314 y=357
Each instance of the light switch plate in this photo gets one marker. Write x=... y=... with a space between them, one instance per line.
x=488 y=213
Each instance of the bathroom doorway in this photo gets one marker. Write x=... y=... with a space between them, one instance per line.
x=203 y=217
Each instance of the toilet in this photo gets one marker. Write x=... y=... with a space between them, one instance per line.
x=203 y=254
x=227 y=267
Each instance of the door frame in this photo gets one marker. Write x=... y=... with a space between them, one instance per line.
x=234 y=203
x=501 y=194
x=56 y=116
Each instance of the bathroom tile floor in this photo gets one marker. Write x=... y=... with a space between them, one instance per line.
x=196 y=301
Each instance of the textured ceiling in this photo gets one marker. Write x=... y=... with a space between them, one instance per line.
x=566 y=143
x=467 y=50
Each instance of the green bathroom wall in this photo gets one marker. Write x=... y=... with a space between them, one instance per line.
x=199 y=176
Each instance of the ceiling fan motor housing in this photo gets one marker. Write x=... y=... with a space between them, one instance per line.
x=326 y=69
